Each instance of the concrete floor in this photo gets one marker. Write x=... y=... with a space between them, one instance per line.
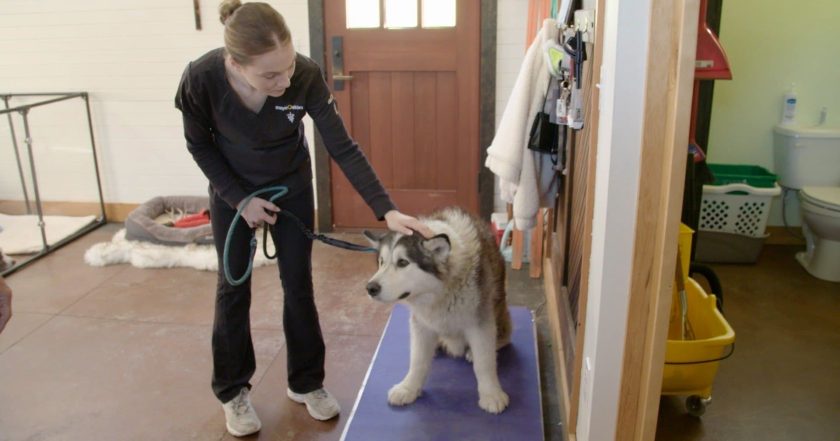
x=783 y=381
x=124 y=353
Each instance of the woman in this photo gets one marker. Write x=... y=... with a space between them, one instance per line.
x=242 y=107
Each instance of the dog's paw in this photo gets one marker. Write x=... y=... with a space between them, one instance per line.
x=493 y=402
x=468 y=355
x=400 y=394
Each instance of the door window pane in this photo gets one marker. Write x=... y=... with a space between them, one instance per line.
x=362 y=14
x=438 y=13
x=400 y=14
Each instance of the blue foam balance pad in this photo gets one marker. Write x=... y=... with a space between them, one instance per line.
x=448 y=407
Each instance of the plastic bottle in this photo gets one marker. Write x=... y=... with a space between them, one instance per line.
x=789 y=112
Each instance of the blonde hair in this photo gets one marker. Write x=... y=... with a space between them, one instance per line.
x=251 y=29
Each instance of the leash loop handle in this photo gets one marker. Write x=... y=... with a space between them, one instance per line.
x=279 y=191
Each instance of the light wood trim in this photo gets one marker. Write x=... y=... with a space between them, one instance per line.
x=549 y=228
x=556 y=331
x=517 y=242
x=119 y=212
x=558 y=306
x=113 y=212
x=667 y=99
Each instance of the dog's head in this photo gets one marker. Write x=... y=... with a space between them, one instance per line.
x=408 y=265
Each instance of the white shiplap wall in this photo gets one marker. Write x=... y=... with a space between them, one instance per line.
x=510 y=51
x=129 y=55
x=511 y=25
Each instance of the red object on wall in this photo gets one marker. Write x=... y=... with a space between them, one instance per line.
x=712 y=63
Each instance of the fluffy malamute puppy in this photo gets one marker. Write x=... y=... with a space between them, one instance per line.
x=454 y=285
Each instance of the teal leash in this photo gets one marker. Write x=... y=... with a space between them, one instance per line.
x=279 y=192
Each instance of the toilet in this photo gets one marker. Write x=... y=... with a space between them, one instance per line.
x=808 y=161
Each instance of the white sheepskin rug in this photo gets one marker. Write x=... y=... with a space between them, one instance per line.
x=149 y=255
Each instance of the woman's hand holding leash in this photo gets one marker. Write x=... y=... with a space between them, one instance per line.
x=405 y=224
x=258 y=211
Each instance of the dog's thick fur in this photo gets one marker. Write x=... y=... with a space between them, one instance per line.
x=454 y=285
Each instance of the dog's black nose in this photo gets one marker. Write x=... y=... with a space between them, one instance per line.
x=373 y=289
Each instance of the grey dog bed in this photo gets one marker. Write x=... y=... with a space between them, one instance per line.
x=141 y=224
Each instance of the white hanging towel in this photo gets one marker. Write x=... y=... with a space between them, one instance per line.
x=527 y=178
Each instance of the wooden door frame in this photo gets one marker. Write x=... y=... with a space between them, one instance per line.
x=671 y=65
x=487 y=111
x=667 y=95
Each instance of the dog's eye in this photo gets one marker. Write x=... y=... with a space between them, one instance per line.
x=402 y=263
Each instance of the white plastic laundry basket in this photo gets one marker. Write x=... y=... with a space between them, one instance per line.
x=723 y=210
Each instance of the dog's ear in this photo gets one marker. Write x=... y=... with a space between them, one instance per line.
x=372 y=238
x=438 y=245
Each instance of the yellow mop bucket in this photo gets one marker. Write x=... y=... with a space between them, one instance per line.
x=694 y=350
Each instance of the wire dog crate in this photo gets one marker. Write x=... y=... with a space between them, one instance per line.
x=36 y=206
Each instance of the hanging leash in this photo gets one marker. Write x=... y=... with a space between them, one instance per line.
x=279 y=191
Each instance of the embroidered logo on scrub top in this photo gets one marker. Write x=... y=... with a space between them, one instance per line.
x=332 y=101
x=290 y=108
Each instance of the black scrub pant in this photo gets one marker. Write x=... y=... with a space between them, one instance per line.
x=233 y=350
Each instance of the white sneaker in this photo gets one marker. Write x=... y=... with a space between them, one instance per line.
x=241 y=418
x=320 y=403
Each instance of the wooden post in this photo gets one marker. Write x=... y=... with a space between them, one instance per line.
x=666 y=120
x=517 y=244
x=549 y=229
x=536 y=256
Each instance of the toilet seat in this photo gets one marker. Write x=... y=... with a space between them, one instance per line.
x=827 y=198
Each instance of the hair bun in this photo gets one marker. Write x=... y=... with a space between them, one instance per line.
x=227 y=8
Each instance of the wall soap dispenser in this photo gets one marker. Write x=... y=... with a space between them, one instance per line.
x=789 y=112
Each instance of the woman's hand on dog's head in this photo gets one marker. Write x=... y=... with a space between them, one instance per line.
x=405 y=224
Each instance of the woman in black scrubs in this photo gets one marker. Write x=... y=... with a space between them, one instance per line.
x=242 y=107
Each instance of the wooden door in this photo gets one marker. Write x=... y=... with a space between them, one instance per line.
x=409 y=98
